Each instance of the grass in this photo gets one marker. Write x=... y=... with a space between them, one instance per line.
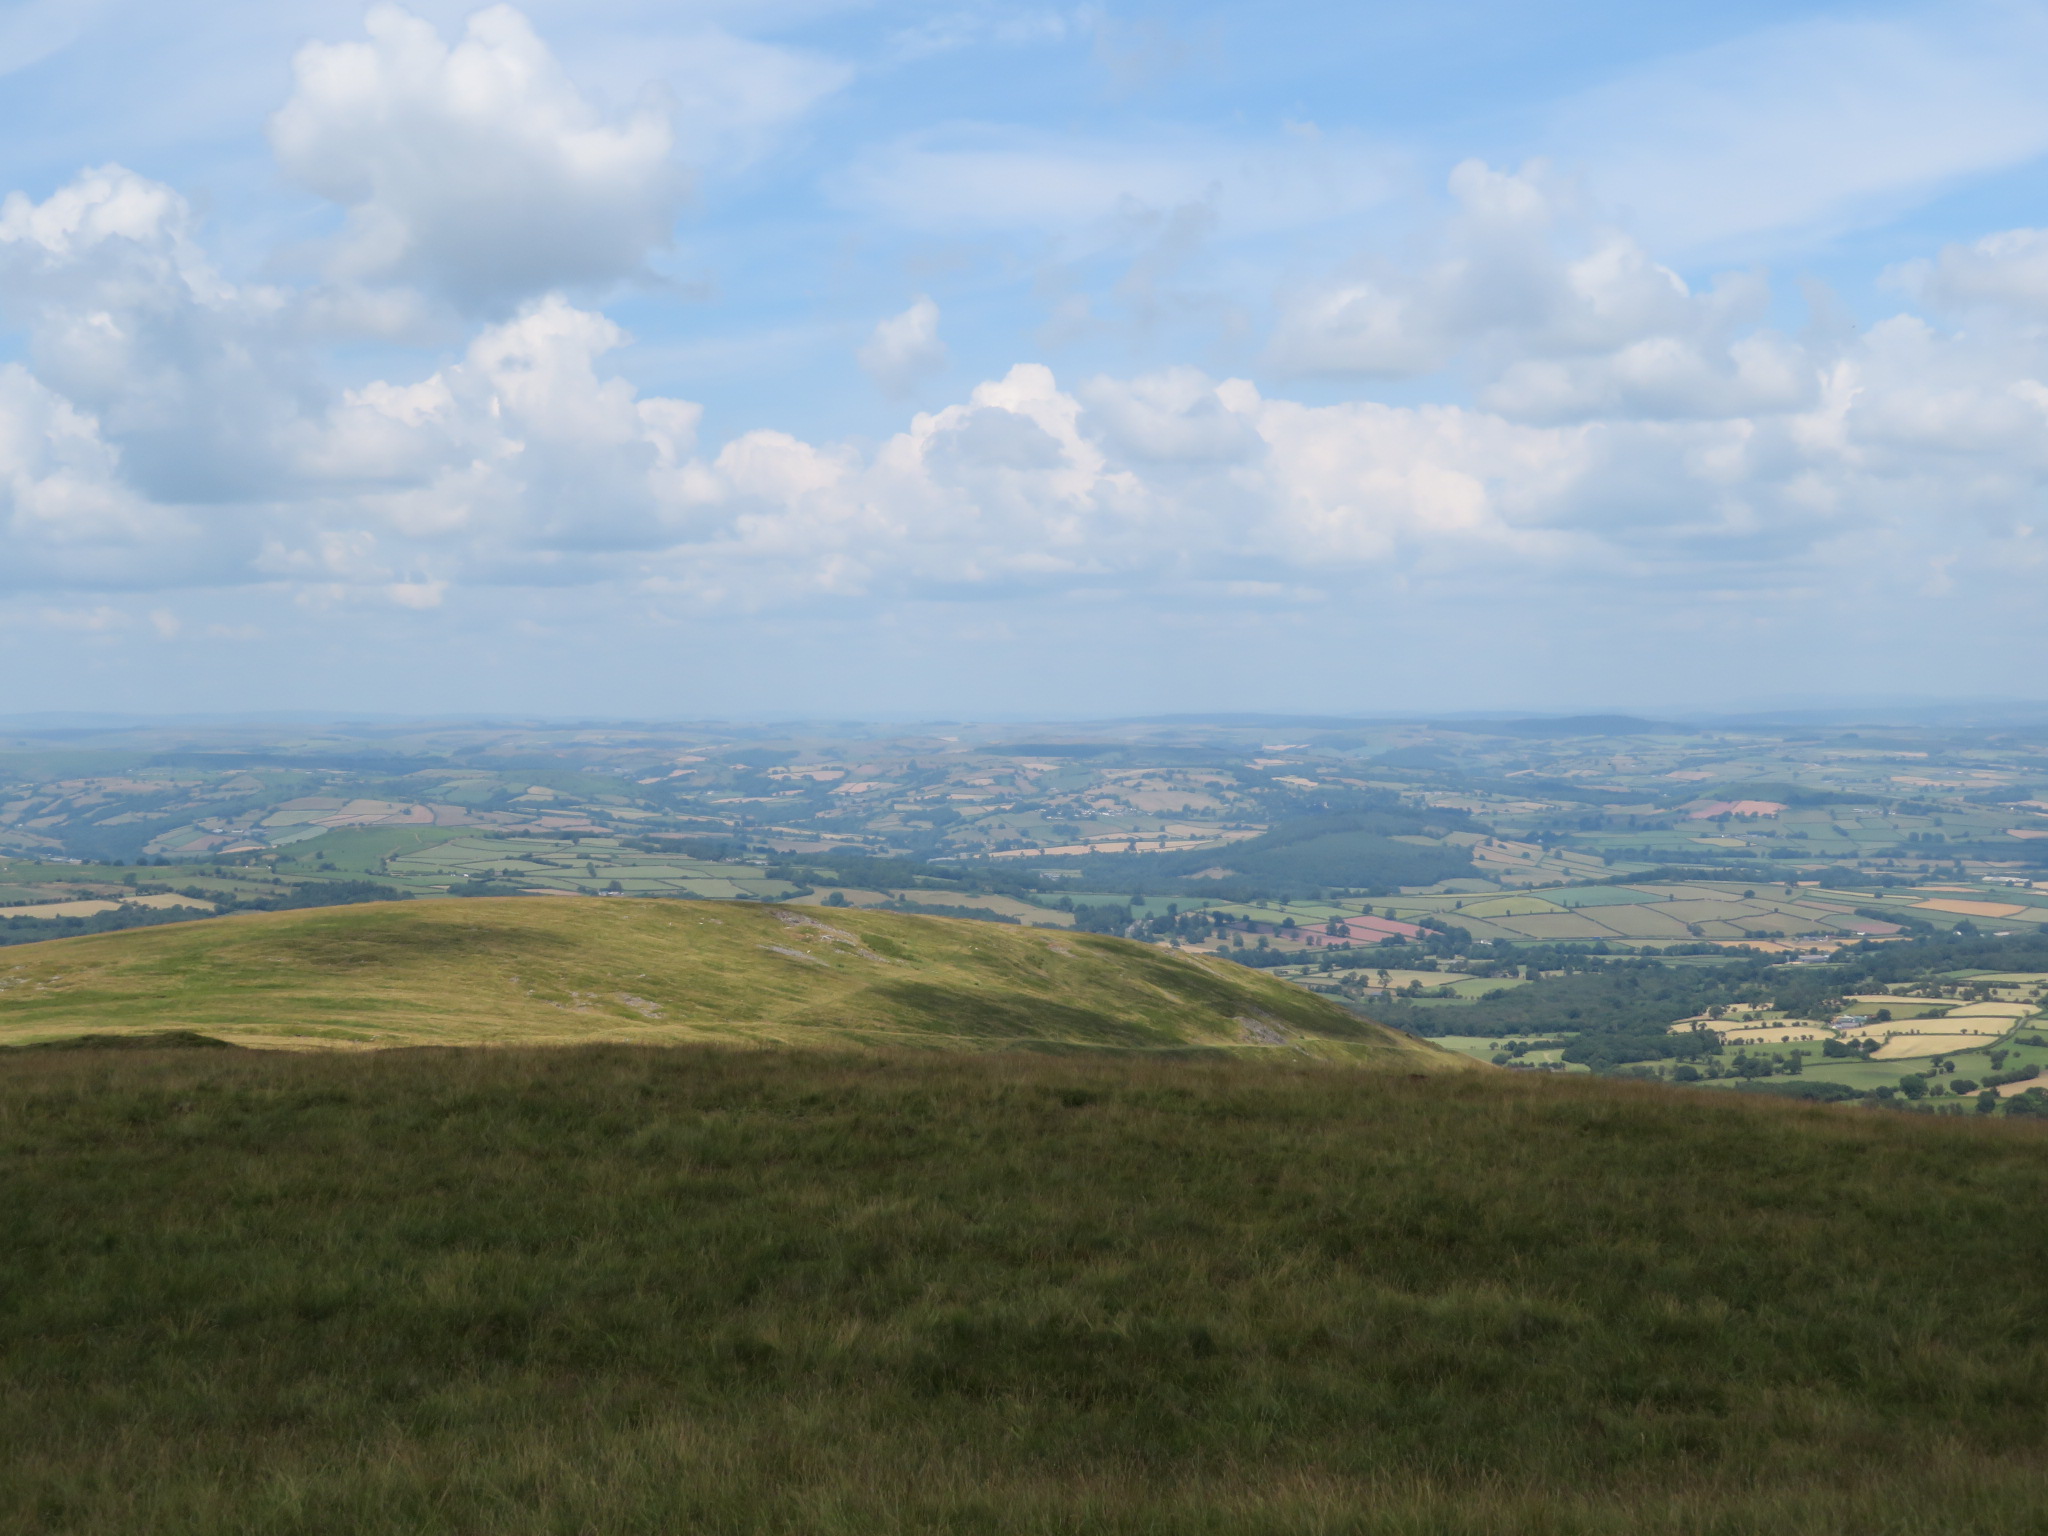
x=621 y=1290
x=561 y=969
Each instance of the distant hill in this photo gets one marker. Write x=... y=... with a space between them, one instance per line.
x=542 y=970
x=1544 y=728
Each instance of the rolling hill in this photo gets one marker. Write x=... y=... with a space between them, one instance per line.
x=558 y=970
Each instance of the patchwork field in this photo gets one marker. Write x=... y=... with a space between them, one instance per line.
x=585 y=866
x=1908 y=1047
x=1782 y=1032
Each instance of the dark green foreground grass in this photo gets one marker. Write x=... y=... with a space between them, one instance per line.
x=616 y=1290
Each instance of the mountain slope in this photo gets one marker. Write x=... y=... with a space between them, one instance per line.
x=544 y=969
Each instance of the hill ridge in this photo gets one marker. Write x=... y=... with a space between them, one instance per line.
x=541 y=970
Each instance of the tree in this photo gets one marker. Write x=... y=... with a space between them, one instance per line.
x=2034 y=1102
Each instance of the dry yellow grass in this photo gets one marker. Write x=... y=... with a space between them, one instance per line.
x=1907 y=1046
x=1776 y=1034
x=550 y=970
x=87 y=908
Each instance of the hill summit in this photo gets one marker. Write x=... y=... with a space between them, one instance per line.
x=546 y=969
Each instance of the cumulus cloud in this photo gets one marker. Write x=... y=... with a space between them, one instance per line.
x=1556 y=316
x=1516 y=265
x=476 y=170
x=520 y=462
x=905 y=349
x=1176 y=416
x=525 y=461
x=70 y=520
x=197 y=381
x=1618 y=426
x=2005 y=271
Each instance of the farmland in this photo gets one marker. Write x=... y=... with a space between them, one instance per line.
x=1432 y=867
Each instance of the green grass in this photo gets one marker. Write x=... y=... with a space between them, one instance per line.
x=1865 y=1075
x=561 y=969
x=622 y=1290
x=588 y=865
x=363 y=850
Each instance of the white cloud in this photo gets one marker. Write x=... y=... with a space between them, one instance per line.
x=977 y=179
x=478 y=171
x=1815 y=126
x=733 y=97
x=905 y=349
x=1007 y=27
x=1516 y=264
x=1667 y=377
x=524 y=463
x=69 y=519
x=196 y=384
x=1619 y=429
x=32 y=30
x=2008 y=270
x=519 y=462
x=1175 y=416
x=418 y=595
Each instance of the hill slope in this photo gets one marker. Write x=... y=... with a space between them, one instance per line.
x=539 y=970
x=815 y=1293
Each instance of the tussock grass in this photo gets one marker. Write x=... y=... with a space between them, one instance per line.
x=616 y=1289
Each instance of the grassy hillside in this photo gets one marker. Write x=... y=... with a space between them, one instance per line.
x=548 y=969
x=635 y=1291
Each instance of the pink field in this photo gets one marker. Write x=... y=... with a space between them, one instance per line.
x=1736 y=808
x=1368 y=930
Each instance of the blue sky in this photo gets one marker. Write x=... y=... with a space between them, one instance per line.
x=816 y=358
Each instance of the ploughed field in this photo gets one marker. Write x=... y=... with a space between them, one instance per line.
x=630 y=1289
x=562 y=969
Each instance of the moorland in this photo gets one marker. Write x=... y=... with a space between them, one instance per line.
x=548 y=970
x=627 y=1289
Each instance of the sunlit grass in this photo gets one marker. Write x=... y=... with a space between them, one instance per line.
x=545 y=969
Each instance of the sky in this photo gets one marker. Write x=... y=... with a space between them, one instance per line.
x=891 y=360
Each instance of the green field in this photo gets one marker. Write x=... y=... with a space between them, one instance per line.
x=555 y=969
x=584 y=866
x=622 y=1290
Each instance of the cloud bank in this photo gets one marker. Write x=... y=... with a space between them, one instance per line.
x=1598 y=423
